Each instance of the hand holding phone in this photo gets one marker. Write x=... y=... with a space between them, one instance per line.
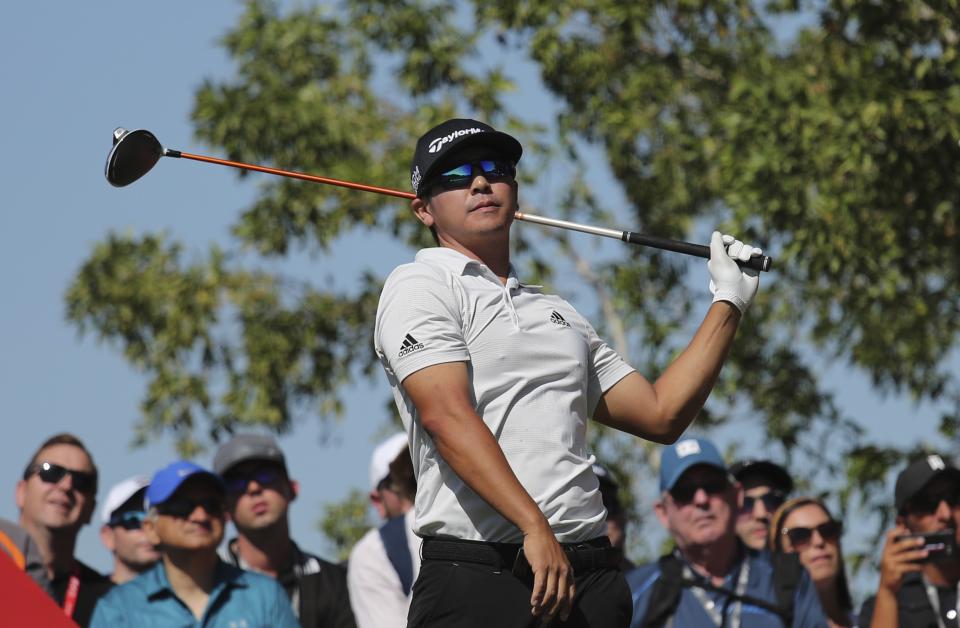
x=940 y=546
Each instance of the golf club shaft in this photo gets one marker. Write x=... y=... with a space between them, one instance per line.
x=760 y=262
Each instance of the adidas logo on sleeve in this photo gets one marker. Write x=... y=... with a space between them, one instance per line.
x=409 y=345
x=559 y=320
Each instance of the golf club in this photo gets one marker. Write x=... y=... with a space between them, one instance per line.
x=135 y=153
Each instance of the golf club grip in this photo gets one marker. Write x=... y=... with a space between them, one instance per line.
x=760 y=262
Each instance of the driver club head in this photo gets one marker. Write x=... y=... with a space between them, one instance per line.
x=133 y=154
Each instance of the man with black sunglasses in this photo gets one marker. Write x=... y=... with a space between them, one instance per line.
x=766 y=486
x=919 y=587
x=56 y=497
x=122 y=531
x=191 y=585
x=711 y=578
x=496 y=382
x=259 y=494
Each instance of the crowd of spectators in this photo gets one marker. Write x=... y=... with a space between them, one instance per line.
x=745 y=552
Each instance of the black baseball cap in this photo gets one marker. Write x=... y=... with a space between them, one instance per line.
x=917 y=475
x=777 y=475
x=439 y=143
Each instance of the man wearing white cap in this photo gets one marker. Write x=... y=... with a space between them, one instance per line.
x=385 y=562
x=122 y=534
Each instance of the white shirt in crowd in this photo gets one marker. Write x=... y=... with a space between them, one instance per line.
x=376 y=594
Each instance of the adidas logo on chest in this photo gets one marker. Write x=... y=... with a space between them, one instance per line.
x=557 y=319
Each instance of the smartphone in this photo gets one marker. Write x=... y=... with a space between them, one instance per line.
x=940 y=545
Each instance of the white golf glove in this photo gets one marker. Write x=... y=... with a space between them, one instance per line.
x=729 y=282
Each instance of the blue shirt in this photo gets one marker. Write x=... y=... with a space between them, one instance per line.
x=239 y=599
x=690 y=612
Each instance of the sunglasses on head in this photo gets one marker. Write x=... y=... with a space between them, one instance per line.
x=771 y=501
x=130 y=520
x=829 y=531
x=927 y=503
x=182 y=507
x=83 y=481
x=462 y=176
x=683 y=493
x=237 y=483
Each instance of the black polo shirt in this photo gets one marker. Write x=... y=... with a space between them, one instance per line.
x=913 y=605
x=93 y=586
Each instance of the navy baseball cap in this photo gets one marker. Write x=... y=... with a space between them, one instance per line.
x=442 y=141
x=777 y=476
x=167 y=480
x=687 y=452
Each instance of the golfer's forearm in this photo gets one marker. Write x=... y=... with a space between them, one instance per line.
x=467 y=445
x=684 y=387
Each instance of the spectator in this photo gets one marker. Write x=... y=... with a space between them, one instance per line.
x=24 y=552
x=56 y=498
x=616 y=515
x=765 y=487
x=259 y=493
x=917 y=589
x=386 y=561
x=805 y=526
x=712 y=578
x=190 y=585
x=122 y=532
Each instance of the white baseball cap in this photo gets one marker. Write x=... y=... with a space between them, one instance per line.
x=120 y=493
x=385 y=453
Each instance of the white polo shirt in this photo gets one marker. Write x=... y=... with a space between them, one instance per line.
x=537 y=370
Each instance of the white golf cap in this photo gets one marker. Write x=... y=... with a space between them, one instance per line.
x=120 y=493
x=385 y=453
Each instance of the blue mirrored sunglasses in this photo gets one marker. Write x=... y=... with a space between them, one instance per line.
x=462 y=176
x=130 y=520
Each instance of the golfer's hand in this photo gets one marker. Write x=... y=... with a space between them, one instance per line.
x=898 y=559
x=553 y=584
x=729 y=282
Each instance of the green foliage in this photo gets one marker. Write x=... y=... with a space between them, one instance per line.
x=345 y=522
x=835 y=148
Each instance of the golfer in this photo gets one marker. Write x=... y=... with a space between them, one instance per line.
x=495 y=382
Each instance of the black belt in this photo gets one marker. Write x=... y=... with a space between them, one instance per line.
x=586 y=556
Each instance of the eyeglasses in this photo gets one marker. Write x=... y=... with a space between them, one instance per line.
x=130 y=520
x=683 y=493
x=462 y=176
x=771 y=501
x=83 y=481
x=829 y=531
x=237 y=483
x=182 y=507
x=927 y=503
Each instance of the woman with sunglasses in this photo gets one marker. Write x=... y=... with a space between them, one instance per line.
x=805 y=526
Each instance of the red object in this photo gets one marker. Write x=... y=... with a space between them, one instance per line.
x=25 y=603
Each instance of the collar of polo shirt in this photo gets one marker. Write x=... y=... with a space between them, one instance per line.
x=457 y=261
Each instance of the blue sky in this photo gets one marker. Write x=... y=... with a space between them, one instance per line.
x=72 y=74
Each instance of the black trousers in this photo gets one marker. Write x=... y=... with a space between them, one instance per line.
x=465 y=595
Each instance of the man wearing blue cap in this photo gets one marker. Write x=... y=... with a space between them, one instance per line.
x=711 y=578
x=191 y=585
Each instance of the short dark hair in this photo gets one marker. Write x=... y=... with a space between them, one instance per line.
x=63 y=438
x=402 y=479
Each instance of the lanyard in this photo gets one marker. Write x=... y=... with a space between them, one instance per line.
x=934 y=598
x=710 y=607
x=73 y=591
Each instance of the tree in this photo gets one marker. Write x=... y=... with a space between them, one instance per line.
x=835 y=147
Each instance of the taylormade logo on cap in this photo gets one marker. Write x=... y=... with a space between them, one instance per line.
x=437 y=143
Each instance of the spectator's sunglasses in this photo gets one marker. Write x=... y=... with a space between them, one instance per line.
x=181 y=507
x=462 y=176
x=237 y=482
x=83 y=481
x=771 y=501
x=682 y=493
x=829 y=531
x=927 y=503
x=130 y=520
